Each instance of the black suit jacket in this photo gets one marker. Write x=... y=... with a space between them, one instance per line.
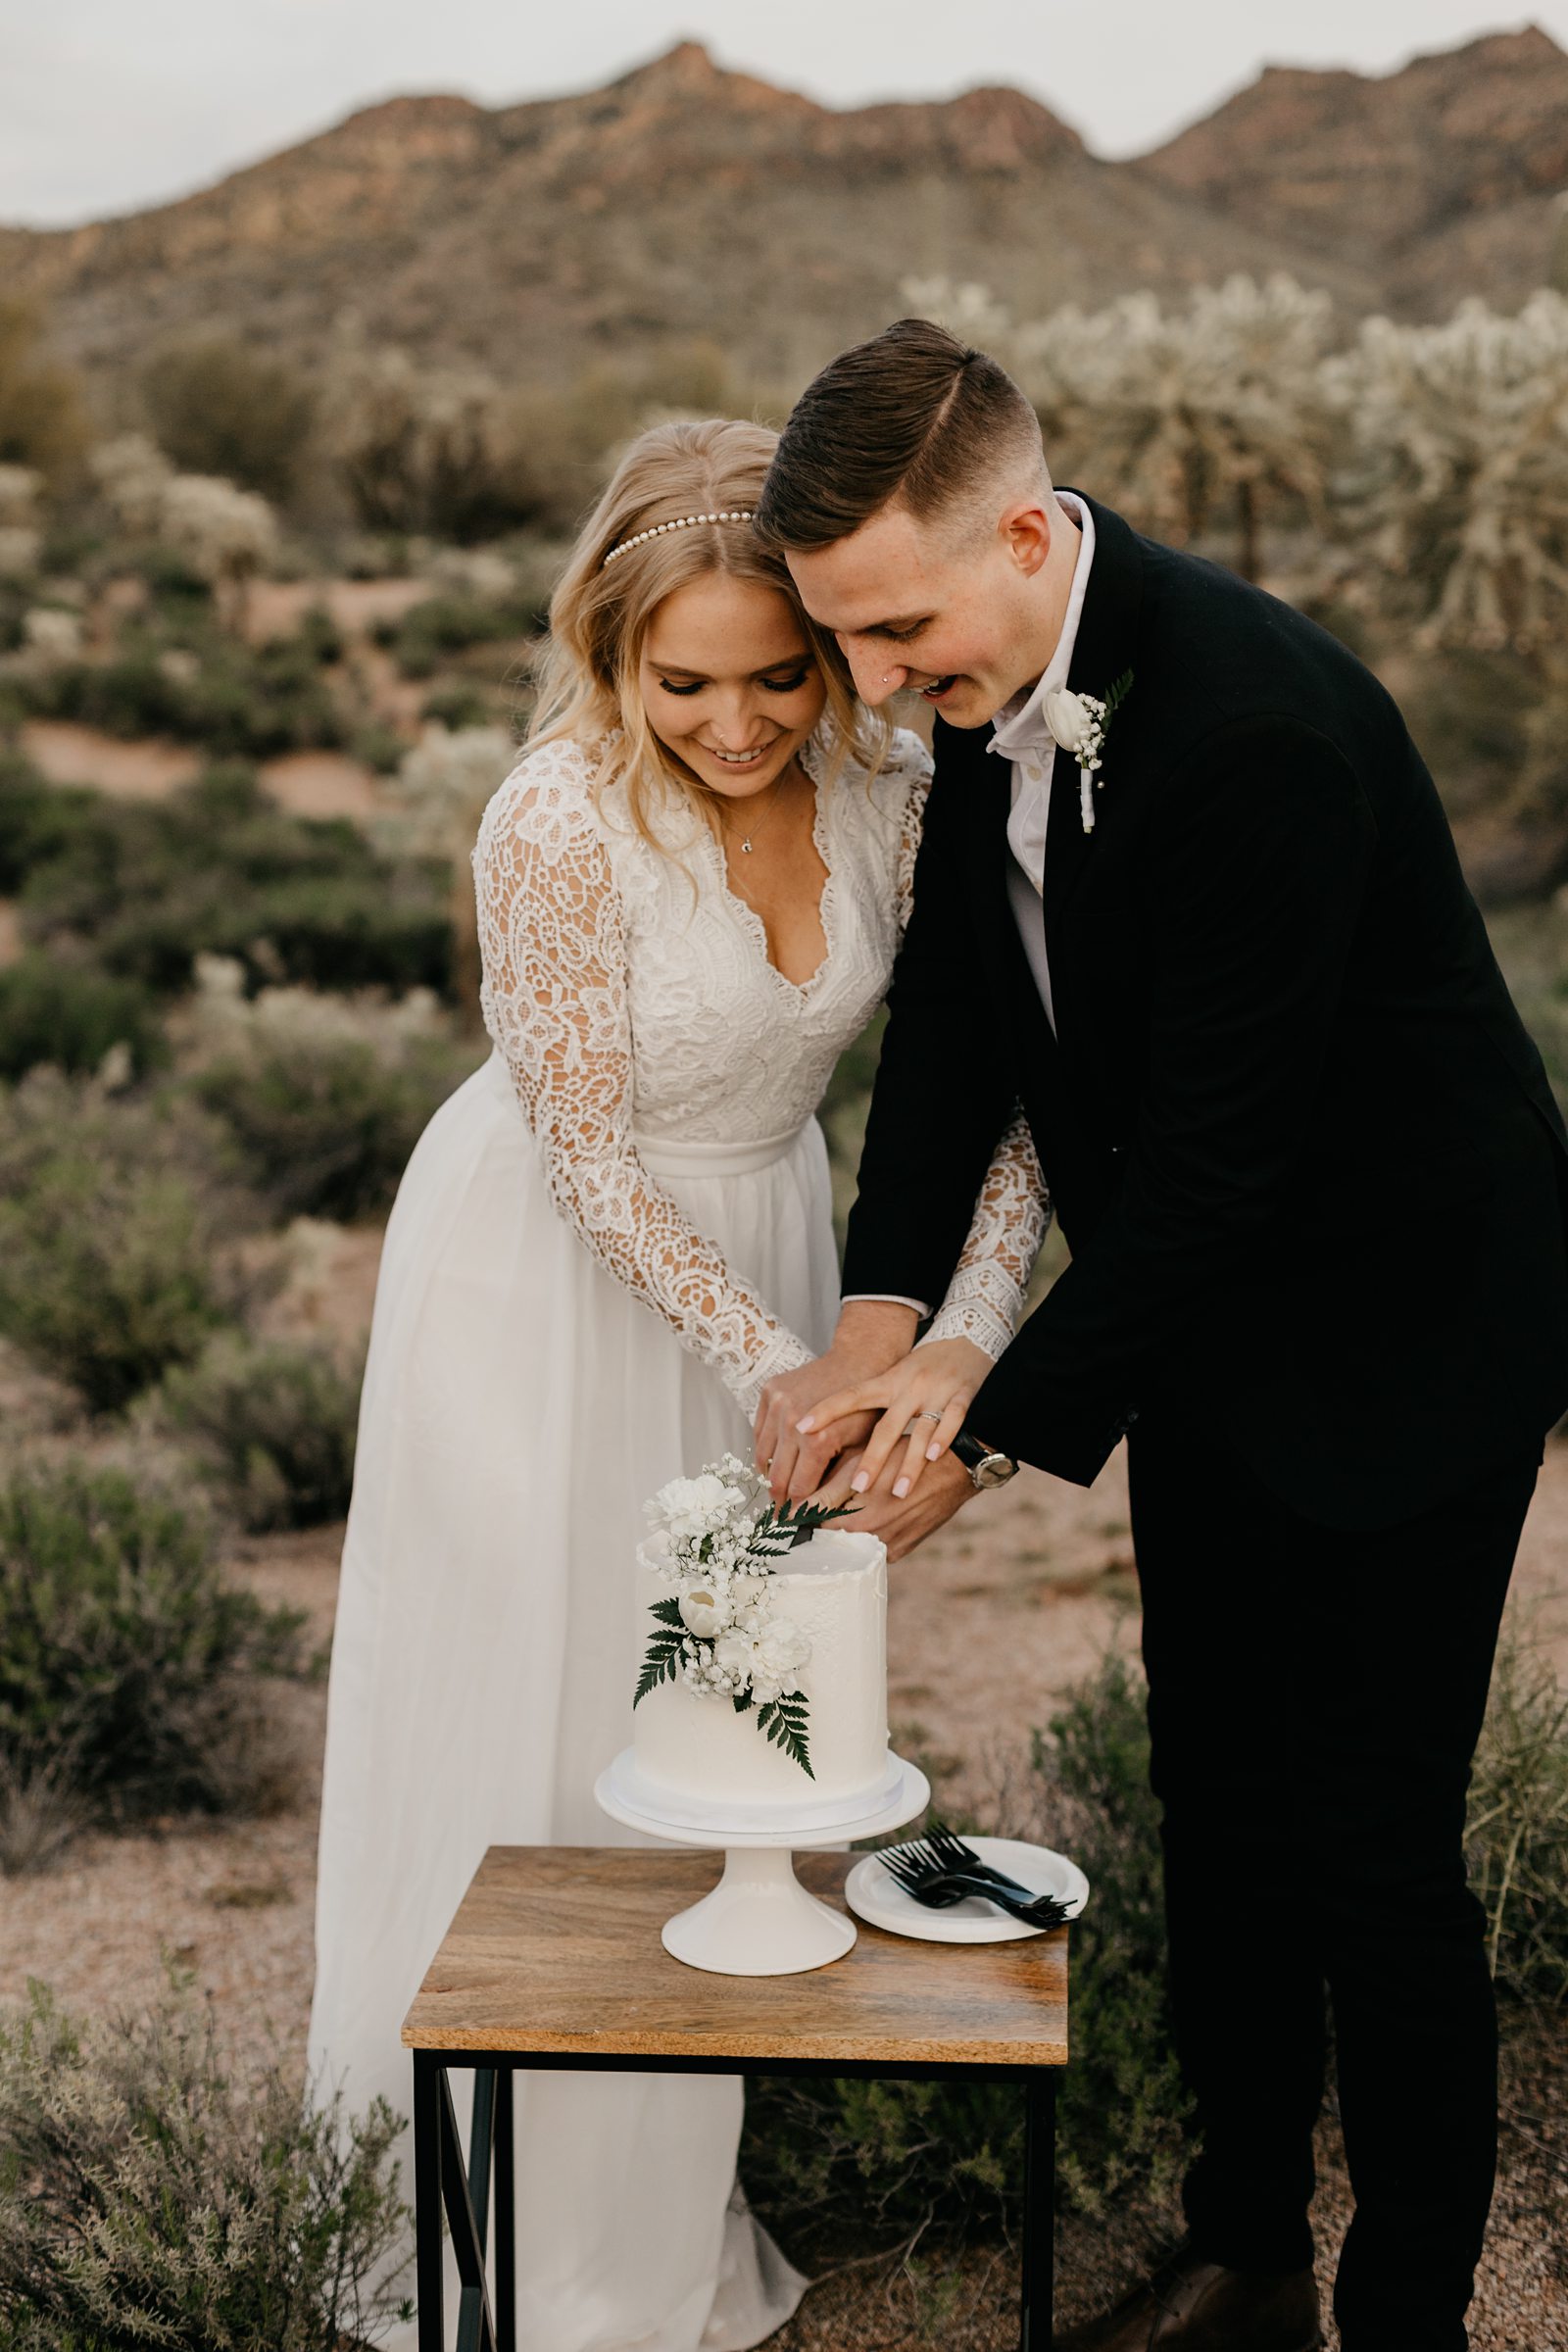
x=1303 y=1153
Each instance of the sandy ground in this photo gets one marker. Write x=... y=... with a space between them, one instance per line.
x=307 y=783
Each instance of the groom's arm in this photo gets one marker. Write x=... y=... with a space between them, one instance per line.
x=944 y=1086
x=1258 y=871
x=944 y=1094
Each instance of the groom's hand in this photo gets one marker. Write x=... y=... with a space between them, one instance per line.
x=901 y=1522
x=871 y=1335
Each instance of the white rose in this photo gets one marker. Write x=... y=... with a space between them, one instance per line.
x=1068 y=717
x=705 y=1611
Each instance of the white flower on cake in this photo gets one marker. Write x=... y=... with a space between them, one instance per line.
x=705 y=1610
x=718 y=1633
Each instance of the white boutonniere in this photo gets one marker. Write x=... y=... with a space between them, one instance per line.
x=1080 y=724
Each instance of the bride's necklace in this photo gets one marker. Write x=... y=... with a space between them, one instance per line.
x=756 y=826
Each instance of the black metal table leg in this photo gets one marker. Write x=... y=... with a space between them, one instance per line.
x=1039 y=2210
x=506 y=2217
x=429 y=2258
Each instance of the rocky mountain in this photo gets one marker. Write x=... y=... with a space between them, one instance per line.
x=683 y=201
x=1435 y=180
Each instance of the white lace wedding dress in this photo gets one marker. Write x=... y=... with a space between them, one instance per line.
x=604 y=1243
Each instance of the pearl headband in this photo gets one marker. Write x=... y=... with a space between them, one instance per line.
x=683 y=523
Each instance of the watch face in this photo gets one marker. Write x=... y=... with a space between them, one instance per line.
x=994 y=1470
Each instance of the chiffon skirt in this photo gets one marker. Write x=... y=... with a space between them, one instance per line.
x=519 y=1405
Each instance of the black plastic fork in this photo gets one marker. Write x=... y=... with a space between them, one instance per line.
x=939 y=1887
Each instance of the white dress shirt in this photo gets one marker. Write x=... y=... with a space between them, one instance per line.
x=1023 y=737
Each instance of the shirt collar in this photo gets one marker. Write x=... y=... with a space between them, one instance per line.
x=1020 y=725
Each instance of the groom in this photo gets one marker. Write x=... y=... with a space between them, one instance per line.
x=1313 y=1182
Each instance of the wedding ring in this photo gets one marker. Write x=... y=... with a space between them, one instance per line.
x=930 y=1416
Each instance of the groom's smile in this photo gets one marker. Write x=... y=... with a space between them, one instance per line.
x=958 y=612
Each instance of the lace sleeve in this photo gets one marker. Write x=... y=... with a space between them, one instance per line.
x=910 y=761
x=985 y=1298
x=554 y=995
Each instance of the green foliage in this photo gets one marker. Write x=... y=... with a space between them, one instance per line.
x=150 y=2194
x=908 y=2157
x=39 y=819
x=43 y=419
x=431 y=632
x=783 y=1721
x=71 y=1015
x=217 y=406
x=1517 y=1827
x=458 y=705
x=238 y=701
x=326 y=1123
x=123 y=1653
x=272 y=1426
x=111 y=1218
x=1122 y=2104
x=221 y=868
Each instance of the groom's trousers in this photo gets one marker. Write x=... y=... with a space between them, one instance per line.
x=1315 y=1698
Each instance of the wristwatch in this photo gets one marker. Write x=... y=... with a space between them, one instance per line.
x=985 y=1465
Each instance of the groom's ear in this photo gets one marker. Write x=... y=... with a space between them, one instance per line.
x=1025 y=531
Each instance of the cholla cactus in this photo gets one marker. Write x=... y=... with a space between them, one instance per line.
x=1178 y=413
x=475 y=572
x=1460 y=473
x=132 y=473
x=51 y=636
x=20 y=490
x=224 y=533
x=445 y=781
x=223 y=1021
x=414 y=445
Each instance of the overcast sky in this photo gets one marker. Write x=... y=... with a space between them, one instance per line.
x=109 y=104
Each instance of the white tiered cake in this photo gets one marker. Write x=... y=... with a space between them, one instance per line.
x=697 y=1763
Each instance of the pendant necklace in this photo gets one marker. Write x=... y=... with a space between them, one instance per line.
x=746 y=839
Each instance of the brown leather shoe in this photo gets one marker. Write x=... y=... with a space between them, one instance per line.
x=1196 y=2306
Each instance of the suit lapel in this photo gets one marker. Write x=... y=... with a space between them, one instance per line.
x=1101 y=651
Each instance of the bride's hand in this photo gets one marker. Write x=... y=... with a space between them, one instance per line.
x=922 y=1401
x=872 y=1334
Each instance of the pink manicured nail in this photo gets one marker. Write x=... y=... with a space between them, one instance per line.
x=933 y=1454
x=861 y=1482
x=900 y=1488
x=806 y=1427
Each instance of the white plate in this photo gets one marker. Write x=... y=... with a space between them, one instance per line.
x=876 y=1896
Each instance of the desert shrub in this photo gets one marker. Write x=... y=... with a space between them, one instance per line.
x=73 y=1016
x=219 y=408
x=151 y=2193
x=457 y=705
x=326 y=1122
x=908 y=2157
x=430 y=632
x=125 y=1657
x=219 y=868
x=43 y=419
x=111 y=1213
x=1122 y=2104
x=272 y=1426
x=1517 y=1828
x=238 y=701
x=37 y=818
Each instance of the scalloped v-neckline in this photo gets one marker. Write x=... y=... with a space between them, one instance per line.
x=751 y=921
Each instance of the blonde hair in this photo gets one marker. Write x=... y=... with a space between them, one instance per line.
x=588 y=676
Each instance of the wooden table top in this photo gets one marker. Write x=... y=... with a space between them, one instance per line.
x=555 y=1948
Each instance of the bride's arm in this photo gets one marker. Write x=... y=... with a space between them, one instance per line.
x=552 y=944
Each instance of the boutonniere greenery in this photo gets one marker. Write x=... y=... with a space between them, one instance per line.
x=1080 y=724
x=716 y=1540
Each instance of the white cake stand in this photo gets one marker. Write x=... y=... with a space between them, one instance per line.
x=760 y=1920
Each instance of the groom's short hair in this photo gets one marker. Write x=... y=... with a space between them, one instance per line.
x=915 y=416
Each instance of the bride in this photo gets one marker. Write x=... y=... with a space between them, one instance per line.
x=691 y=890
